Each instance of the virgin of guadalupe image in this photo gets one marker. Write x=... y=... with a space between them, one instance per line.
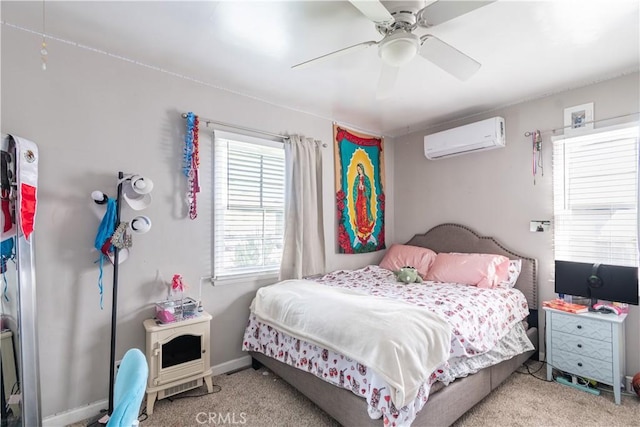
x=362 y=202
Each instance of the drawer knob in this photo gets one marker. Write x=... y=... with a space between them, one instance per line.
x=579 y=345
x=580 y=364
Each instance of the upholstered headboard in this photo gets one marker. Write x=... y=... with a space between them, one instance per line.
x=458 y=238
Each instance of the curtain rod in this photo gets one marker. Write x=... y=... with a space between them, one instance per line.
x=207 y=121
x=529 y=133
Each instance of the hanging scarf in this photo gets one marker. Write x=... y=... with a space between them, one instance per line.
x=103 y=238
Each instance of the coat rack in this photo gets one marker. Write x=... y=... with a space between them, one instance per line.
x=114 y=302
x=139 y=224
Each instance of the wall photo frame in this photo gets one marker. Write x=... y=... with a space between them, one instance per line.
x=578 y=119
x=539 y=226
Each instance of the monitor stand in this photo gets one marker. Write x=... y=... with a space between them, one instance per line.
x=593 y=301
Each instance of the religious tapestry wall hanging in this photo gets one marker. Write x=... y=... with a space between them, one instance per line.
x=359 y=167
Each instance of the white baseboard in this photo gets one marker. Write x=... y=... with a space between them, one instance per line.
x=232 y=365
x=74 y=415
x=93 y=409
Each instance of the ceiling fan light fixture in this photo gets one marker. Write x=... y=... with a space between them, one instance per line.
x=397 y=50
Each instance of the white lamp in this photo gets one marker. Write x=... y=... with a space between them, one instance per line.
x=399 y=48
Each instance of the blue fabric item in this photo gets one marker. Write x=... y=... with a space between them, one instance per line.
x=105 y=230
x=6 y=248
x=131 y=383
x=6 y=254
x=107 y=225
x=6 y=287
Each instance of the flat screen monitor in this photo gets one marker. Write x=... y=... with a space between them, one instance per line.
x=597 y=281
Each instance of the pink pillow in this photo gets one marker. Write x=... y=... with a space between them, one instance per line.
x=481 y=270
x=515 y=266
x=399 y=256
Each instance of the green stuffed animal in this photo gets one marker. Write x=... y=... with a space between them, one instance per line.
x=408 y=275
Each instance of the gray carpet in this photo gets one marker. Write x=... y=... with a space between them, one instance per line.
x=525 y=401
x=251 y=398
x=246 y=398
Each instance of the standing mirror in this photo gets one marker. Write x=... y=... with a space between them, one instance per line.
x=19 y=368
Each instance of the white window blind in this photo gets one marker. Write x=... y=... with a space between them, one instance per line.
x=248 y=218
x=595 y=188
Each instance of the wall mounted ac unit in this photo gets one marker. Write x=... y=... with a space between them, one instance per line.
x=483 y=135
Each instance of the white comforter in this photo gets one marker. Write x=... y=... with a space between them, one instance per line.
x=404 y=344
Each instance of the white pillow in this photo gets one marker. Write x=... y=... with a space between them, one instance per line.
x=515 y=265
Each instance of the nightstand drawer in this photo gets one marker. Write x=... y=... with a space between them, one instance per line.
x=582 y=346
x=578 y=325
x=583 y=366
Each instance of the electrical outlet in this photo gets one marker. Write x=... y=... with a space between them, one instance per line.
x=627 y=384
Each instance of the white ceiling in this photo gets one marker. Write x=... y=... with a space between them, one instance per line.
x=527 y=49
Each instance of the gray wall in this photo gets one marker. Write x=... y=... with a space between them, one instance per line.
x=93 y=115
x=493 y=191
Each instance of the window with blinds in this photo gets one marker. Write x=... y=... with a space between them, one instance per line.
x=595 y=188
x=248 y=209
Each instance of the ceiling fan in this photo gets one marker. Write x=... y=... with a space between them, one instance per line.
x=396 y=21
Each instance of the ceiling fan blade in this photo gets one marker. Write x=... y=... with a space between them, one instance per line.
x=374 y=10
x=442 y=11
x=448 y=57
x=339 y=52
x=387 y=82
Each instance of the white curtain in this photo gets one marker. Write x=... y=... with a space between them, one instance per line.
x=303 y=253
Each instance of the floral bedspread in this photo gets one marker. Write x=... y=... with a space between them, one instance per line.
x=480 y=319
x=336 y=369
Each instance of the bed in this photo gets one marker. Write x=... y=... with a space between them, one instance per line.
x=436 y=404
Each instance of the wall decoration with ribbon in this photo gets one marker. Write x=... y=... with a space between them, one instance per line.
x=536 y=161
x=191 y=163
